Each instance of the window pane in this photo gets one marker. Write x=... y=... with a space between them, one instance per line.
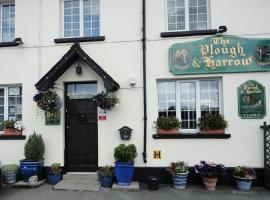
x=209 y=91
x=188 y=105
x=197 y=14
x=81 y=91
x=176 y=14
x=7 y=22
x=72 y=18
x=91 y=17
x=166 y=99
x=14 y=103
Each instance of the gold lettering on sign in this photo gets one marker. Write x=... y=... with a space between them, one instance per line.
x=221 y=53
x=252 y=89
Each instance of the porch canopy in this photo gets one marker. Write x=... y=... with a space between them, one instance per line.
x=75 y=52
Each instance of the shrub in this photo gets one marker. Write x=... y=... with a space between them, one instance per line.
x=177 y=168
x=106 y=171
x=212 y=121
x=55 y=168
x=9 y=124
x=210 y=169
x=10 y=168
x=125 y=153
x=168 y=123
x=244 y=172
x=34 y=148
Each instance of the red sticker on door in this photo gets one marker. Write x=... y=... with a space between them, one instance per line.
x=102 y=117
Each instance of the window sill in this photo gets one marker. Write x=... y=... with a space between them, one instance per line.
x=12 y=137
x=191 y=136
x=221 y=29
x=79 y=39
x=16 y=42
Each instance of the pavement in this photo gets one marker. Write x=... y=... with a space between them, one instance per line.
x=166 y=192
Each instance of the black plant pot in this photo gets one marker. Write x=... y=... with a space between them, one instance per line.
x=153 y=183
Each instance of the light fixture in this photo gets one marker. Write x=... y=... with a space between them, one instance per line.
x=78 y=69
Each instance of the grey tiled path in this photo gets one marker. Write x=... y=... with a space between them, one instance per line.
x=46 y=192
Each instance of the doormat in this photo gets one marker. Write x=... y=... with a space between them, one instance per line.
x=78 y=183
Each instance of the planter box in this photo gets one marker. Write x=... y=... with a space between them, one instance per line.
x=215 y=131
x=12 y=131
x=172 y=131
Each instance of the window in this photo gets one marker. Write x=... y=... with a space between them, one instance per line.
x=187 y=15
x=80 y=18
x=188 y=100
x=10 y=103
x=7 y=16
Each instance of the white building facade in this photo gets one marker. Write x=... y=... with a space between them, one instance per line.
x=110 y=33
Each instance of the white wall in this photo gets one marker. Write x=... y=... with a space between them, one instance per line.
x=39 y=23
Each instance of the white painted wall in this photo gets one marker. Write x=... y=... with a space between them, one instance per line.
x=38 y=22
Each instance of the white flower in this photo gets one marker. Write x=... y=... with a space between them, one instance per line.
x=19 y=125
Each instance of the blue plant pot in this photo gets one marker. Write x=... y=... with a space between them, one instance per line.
x=10 y=177
x=31 y=168
x=243 y=184
x=180 y=180
x=124 y=173
x=106 y=181
x=53 y=178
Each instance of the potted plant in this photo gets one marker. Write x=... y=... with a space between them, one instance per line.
x=244 y=176
x=54 y=174
x=12 y=127
x=124 y=165
x=105 y=100
x=212 y=123
x=179 y=172
x=210 y=172
x=48 y=100
x=33 y=163
x=168 y=125
x=106 y=176
x=10 y=173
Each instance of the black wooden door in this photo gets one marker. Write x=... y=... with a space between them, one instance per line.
x=81 y=145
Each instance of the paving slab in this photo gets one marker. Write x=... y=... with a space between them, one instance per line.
x=133 y=187
x=27 y=184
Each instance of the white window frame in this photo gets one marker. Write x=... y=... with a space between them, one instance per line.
x=186 y=16
x=81 y=19
x=6 y=95
x=1 y=9
x=198 y=99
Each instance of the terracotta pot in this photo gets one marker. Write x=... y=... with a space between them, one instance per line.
x=172 y=131
x=210 y=183
x=12 y=131
x=215 y=131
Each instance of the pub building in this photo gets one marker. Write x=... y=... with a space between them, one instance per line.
x=181 y=58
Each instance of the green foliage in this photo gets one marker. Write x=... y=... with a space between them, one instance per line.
x=212 y=121
x=10 y=168
x=125 y=153
x=55 y=168
x=34 y=148
x=177 y=168
x=9 y=124
x=244 y=172
x=106 y=171
x=168 y=123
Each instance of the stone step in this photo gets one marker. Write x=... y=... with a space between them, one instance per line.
x=88 y=177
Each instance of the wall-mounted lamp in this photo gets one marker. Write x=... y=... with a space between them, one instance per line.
x=78 y=69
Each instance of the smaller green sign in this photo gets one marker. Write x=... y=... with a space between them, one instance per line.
x=251 y=100
x=52 y=117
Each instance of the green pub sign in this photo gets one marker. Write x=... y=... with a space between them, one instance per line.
x=251 y=100
x=220 y=54
x=52 y=117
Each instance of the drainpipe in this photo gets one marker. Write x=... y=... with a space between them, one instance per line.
x=144 y=80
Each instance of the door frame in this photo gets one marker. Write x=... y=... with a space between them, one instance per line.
x=65 y=118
